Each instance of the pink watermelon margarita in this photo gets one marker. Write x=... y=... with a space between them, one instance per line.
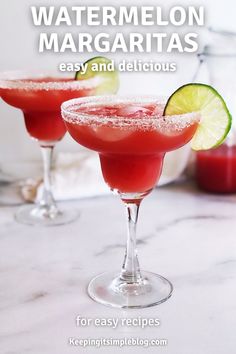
x=131 y=136
x=39 y=97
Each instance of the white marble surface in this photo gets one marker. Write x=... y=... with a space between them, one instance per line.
x=185 y=235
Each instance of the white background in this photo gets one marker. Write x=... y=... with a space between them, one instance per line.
x=18 y=39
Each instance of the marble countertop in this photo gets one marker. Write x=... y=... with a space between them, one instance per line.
x=187 y=236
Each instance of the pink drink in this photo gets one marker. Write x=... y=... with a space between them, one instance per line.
x=39 y=97
x=131 y=138
x=216 y=169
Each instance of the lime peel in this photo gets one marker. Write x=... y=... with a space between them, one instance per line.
x=110 y=78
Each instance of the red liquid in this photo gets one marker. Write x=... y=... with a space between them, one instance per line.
x=41 y=108
x=216 y=170
x=131 y=157
x=131 y=173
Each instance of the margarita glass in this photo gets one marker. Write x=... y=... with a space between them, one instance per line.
x=131 y=136
x=40 y=96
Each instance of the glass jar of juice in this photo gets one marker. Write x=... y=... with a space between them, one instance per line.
x=216 y=169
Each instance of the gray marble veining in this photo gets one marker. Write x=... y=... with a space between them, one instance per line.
x=183 y=234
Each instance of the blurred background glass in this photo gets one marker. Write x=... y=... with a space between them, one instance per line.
x=216 y=169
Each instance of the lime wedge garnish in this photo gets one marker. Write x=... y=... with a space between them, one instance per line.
x=110 y=78
x=215 y=117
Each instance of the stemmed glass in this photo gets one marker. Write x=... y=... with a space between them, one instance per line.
x=39 y=96
x=131 y=136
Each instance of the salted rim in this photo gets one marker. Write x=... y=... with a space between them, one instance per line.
x=176 y=122
x=16 y=80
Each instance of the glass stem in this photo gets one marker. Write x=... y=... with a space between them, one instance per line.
x=130 y=269
x=47 y=199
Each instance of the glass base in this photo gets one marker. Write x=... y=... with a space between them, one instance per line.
x=44 y=216
x=110 y=290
